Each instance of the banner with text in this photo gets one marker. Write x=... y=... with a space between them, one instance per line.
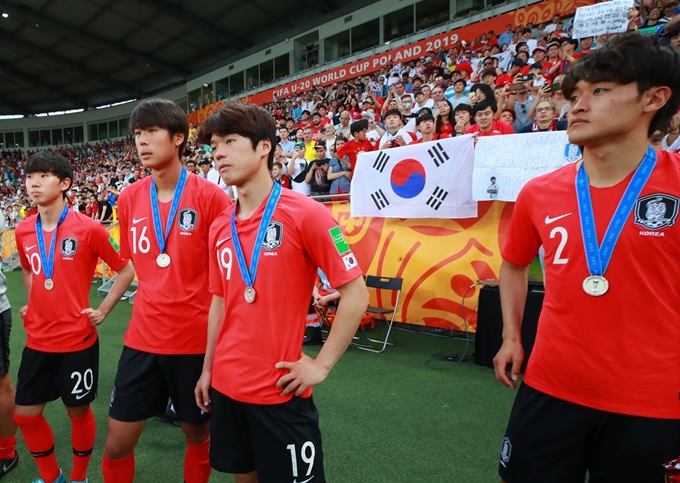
x=602 y=18
x=425 y=180
x=536 y=13
x=504 y=164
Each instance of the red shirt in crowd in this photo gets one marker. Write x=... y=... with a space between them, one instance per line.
x=170 y=314
x=621 y=350
x=254 y=337
x=54 y=321
x=498 y=127
x=352 y=148
x=446 y=129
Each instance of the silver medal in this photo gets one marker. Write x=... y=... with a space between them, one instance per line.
x=249 y=295
x=595 y=285
x=163 y=260
x=49 y=284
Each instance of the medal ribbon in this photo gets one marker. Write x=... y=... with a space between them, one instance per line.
x=598 y=257
x=249 y=275
x=155 y=210
x=48 y=259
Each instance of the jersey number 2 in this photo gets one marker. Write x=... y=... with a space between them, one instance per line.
x=564 y=236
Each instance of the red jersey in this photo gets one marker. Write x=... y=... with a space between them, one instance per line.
x=254 y=337
x=498 y=127
x=617 y=352
x=547 y=65
x=446 y=129
x=352 y=148
x=504 y=79
x=170 y=314
x=54 y=322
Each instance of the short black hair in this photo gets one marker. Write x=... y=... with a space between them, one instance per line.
x=50 y=162
x=463 y=107
x=461 y=81
x=358 y=126
x=628 y=58
x=483 y=105
x=245 y=120
x=162 y=113
x=424 y=117
x=392 y=112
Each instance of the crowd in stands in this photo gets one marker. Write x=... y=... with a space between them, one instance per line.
x=462 y=90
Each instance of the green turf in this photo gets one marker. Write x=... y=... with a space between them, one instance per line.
x=386 y=418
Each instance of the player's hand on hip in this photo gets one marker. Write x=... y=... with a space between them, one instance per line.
x=305 y=373
x=202 y=391
x=22 y=311
x=511 y=352
x=96 y=316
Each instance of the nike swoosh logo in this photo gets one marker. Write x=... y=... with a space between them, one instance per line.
x=80 y=396
x=135 y=220
x=218 y=244
x=31 y=247
x=549 y=220
x=296 y=481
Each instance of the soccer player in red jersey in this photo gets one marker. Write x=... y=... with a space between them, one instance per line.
x=164 y=222
x=59 y=250
x=9 y=458
x=351 y=149
x=600 y=393
x=256 y=381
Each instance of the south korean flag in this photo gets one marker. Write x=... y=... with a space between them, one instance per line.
x=426 y=180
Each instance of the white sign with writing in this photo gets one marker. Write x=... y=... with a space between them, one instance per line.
x=504 y=59
x=602 y=18
x=504 y=164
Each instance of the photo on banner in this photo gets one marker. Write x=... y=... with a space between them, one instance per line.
x=602 y=18
x=504 y=164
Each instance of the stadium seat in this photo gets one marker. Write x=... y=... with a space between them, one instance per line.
x=387 y=314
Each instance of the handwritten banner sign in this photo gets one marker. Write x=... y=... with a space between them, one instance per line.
x=514 y=159
x=602 y=18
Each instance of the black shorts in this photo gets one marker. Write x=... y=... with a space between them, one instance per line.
x=47 y=376
x=550 y=440
x=5 y=329
x=145 y=381
x=282 y=442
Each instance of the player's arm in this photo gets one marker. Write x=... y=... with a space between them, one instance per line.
x=308 y=372
x=513 y=287
x=27 y=275
x=123 y=281
x=215 y=319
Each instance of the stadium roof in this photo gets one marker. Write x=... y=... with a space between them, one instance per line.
x=58 y=55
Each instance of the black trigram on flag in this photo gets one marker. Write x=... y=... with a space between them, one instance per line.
x=437 y=198
x=438 y=155
x=381 y=161
x=380 y=199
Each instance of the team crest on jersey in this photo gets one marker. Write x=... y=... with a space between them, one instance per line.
x=273 y=237
x=186 y=219
x=69 y=246
x=656 y=211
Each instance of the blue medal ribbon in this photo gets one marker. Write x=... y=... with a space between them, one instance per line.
x=249 y=275
x=155 y=210
x=48 y=259
x=598 y=257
